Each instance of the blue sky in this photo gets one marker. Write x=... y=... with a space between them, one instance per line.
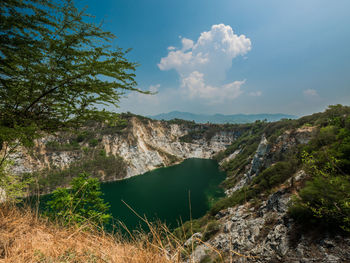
x=229 y=56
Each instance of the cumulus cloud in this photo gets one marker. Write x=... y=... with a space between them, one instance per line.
x=186 y=44
x=202 y=64
x=310 y=93
x=255 y=93
x=194 y=87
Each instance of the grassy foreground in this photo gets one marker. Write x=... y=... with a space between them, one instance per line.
x=28 y=237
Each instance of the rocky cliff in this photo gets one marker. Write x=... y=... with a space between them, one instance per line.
x=264 y=170
x=154 y=144
x=140 y=146
x=253 y=223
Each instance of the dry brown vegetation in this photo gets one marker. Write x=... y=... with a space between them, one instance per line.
x=27 y=237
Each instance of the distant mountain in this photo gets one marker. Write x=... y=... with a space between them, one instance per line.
x=221 y=118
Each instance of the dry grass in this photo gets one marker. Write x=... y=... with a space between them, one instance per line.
x=26 y=237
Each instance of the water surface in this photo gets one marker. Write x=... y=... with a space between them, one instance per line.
x=164 y=193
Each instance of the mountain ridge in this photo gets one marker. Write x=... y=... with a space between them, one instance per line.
x=221 y=118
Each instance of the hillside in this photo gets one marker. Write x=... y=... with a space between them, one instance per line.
x=221 y=118
x=136 y=145
x=287 y=186
x=288 y=194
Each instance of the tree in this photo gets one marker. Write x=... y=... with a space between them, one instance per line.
x=82 y=203
x=56 y=68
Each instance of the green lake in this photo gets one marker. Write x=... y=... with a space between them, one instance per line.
x=164 y=193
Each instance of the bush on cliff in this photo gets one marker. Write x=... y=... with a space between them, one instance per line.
x=325 y=199
x=82 y=203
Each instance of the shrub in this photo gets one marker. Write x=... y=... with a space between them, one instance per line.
x=93 y=143
x=325 y=198
x=274 y=175
x=79 y=204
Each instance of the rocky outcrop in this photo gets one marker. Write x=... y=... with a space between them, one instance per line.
x=254 y=166
x=155 y=145
x=268 y=153
x=261 y=230
x=267 y=234
x=145 y=145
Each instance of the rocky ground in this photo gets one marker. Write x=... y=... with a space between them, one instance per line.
x=261 y=230
x=267 y=234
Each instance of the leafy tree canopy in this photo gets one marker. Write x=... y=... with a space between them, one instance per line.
x=56 y=68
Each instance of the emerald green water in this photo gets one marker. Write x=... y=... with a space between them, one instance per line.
x=164 y=193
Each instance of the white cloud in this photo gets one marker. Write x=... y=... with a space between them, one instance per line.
x=194 y=87
x=255 y=93
x=214 y=49
x=310 y=93
x=202 y=64
x=186 y=44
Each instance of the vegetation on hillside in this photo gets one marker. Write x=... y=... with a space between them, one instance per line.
x=325 y=198
x=56 y=70
x=93 y=161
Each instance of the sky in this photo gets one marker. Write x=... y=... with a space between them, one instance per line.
x=232 y=56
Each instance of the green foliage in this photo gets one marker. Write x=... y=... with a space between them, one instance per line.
x=326 y=196
x=82 y=203
x=84 y=136
x=12 y=187
x=57 y=67
x=52 y=59
x=94 y=162
x=246 y=135
x=74 y=142
x=55 y=146
x=274 y=175
x=187 y=229
x=182 y=122
x=262 y=183
x=325 y=199
x=199 y=131
x=247 y=144
x=93 y=143
x=114 y=127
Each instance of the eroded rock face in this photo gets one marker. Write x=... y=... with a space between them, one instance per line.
x=266 y=235
x=156 y=145
x=146 y=146
x=267 y=154
x=256 y=163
